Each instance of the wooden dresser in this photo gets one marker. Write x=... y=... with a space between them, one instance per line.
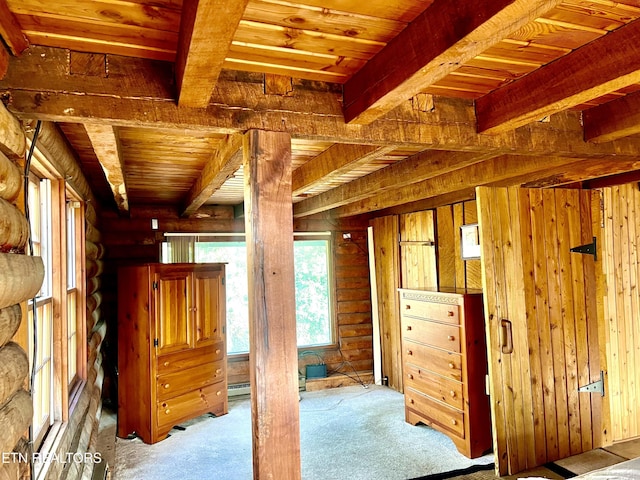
x=445 y=364
x=171 y=346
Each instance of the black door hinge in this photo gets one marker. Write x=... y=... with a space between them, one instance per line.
x=155 y=342
x=588 y=249
x=155 y=285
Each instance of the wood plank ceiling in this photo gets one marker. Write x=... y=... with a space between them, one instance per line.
x=475 y=73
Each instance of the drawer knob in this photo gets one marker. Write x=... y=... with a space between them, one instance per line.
x=407 y=307
x=218 y=393
x=218 y=351
x=409 y=352
x=410 y=376
x=218 y=371
x=166 y=364
x=453 y=394
x=166 y=385
x=167 y=411
x=451 y=338
x=452 y=365
x=409 y=327
x=411 y=401
x=450 y=313
x=454 y=421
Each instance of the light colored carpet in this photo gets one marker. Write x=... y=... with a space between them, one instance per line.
x=346 y=433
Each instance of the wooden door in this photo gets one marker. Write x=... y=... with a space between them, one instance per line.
x=174 y=324
x=542 y=323
x=209 y=305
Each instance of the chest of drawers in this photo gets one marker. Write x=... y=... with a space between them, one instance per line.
x=444 y=362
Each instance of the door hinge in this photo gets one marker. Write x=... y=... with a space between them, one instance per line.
x=594 y=387
x=155 y=285
x=155 y=342
x=589 y=249
x=223 y=280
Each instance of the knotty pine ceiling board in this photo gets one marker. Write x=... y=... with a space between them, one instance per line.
x=162 y=162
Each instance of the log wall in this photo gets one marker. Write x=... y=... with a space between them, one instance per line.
x=20 y=279
x=131 y=240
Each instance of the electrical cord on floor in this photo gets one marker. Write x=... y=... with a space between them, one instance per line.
x=34 y=310
x=346 y=362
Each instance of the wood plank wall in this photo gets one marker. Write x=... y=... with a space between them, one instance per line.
x=453 y=271
x=131 y=240
x=622 y=307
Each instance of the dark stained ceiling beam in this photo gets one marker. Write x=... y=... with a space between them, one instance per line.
x=222 y=165
x=206 y=31
x=600 y=67
x=437 y=42
x=106 y=145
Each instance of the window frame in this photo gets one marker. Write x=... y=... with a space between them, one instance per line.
x=65 y=391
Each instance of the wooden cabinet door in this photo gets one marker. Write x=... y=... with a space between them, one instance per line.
x=543 y=334
x=174 y=322
x=209 y=305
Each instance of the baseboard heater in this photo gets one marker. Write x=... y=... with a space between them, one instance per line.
x=238 y=389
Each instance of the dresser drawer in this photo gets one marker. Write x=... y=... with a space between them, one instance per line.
x=443 y=363
x=435 y=334
x=434 y=386
x=177 y=383
x=446 y=417
x=183 y=407
x=190 y=358
x=441 y=312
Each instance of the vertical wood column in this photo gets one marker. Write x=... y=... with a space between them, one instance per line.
x=272 y=324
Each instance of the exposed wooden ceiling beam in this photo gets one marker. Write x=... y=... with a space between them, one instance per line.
x=106 y=145
x=139 y=93
x=206 y=30
x=437 y=42
x=491 y=170
x=612 y=120
x=417 y=168
x=10 y=30
x=337 y=160
x=600 y=67
x=222 y=165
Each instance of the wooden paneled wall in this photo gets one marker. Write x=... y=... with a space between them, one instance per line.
x=622 y=307
x=453 y=271
x=131 y=240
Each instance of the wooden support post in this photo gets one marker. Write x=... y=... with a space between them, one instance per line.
x=272 y=325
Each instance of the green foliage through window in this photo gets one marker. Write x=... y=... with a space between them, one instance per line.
x=312 y=292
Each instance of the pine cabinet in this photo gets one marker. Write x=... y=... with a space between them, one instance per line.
x=444 y=361
x=171 y=346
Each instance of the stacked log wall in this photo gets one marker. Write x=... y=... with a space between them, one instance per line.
x=21 y=277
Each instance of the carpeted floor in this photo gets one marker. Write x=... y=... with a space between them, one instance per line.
x=346 y=433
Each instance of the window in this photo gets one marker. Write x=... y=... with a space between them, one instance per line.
x=57 y=353
x=314 y=305
x=75 y=315
x=41 y=329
